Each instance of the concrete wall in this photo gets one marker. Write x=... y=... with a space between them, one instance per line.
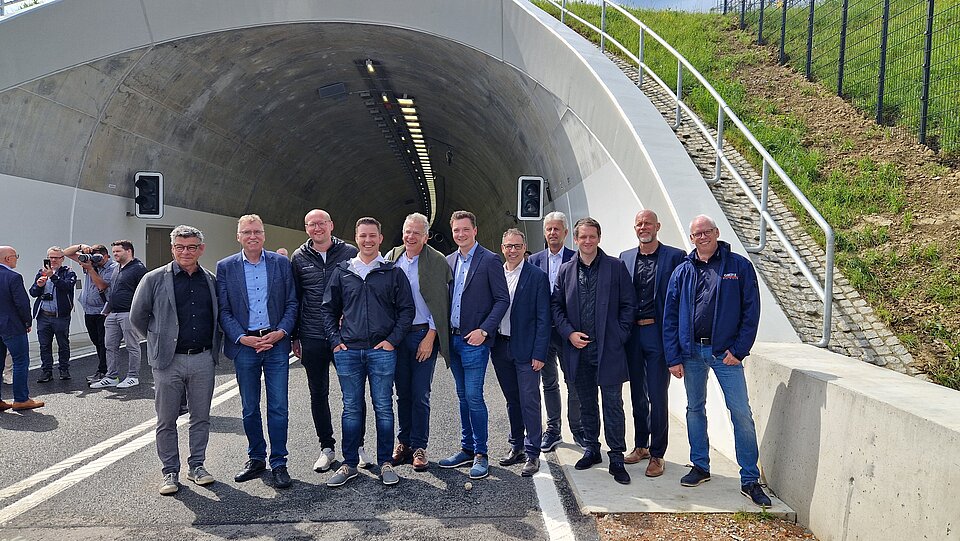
x=858 y=451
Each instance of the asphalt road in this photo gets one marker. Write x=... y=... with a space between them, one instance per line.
x=85 y=467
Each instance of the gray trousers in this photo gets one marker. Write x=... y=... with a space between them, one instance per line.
x=191 y=376
x=117 y=326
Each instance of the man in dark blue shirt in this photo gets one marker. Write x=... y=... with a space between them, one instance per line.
x=117 y=324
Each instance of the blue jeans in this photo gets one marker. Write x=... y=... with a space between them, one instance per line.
x=49 y=328
x=274 y=366
x=354 y=366
x=19 y=348
x=469 y=366
x=413 y=381
x=734 y=387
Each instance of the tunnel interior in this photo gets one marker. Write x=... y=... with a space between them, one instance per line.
x=279 y=119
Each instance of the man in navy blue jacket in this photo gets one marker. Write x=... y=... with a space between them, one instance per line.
x=710 y=322
x=650 y=265
x=258 y=309
x=519 y=352
x=478 y=300
x=593 y=308
x=15 y=323
x=53 y=288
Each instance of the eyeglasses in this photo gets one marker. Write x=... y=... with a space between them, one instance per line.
x=251 y=232
x=15 y=256
x=190 y=248
x=53 y=257
x=322 y=223
x=702 y=234
x=512 y=246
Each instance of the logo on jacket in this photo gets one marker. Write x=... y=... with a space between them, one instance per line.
x=731 y=276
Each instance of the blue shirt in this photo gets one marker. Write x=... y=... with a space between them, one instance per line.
x=51 y=305
x=459 y=283
x=410 y=267
x=91 y=299
x=256 y=278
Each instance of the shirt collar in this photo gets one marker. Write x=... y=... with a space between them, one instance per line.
x=244 y=256
x=514 y=271
x=470 y=254
x=357 y=262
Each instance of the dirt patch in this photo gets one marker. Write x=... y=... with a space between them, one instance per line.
x=930 y=221
x=697 y=527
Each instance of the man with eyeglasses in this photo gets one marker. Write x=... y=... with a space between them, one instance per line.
x=53 y=288
x=258 y=311
x=98 y=270
x=710 y=322
x=313 y=263
x=15 y=323
x=175 y=307
x=519 y=351
x=117 y=323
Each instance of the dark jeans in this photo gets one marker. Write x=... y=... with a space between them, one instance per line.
x=614 y=427
x=19 y=349
x=521 y=388
x=413 y=380
x=49 y=328
x=316 y=359
x=94 y=324
x=354 y=368
x=274 y=367
x=550 y=375
x=649 y=381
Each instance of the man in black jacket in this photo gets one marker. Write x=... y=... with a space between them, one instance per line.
x=313 y=263
x=367 y=310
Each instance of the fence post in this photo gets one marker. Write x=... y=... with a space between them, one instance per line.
x=603 y=23
x=843 y=46
x=760 y=26
x=882 y=75
x=925 y=93
x=743 y=14
x=783 y=34
x=724 y=7
x=808 y=71
x=640 y=58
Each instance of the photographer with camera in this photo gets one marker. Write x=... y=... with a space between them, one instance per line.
x=53 y=289
x=98 y=270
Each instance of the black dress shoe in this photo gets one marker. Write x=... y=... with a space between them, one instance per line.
x=64 y=374
x=619 y=473
x=45 y=377
x=281 y=478
x=515 y=456
x=588 y=460
x=251 y=470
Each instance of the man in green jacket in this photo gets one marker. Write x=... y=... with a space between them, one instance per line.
x=429 y=276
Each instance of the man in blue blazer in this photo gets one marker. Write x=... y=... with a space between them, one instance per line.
x=15 y=323
x=549 y=260
x=650 y=265
x=519 y=352
x=593 y=307
x=478 y=300
x=258 y=309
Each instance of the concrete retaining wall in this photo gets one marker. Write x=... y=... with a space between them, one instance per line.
x=858 y=451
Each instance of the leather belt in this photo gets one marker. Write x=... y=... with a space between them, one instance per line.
x=260 y=332
x=48 y=314
x=420 y=327
x=455 y=331
x=503 y=337
x=645 y=322
x=191 y=351
x=702 y=341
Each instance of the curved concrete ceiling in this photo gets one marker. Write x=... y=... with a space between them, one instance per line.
x=236 y=123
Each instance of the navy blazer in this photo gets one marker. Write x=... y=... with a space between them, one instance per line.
x=668 y=258
x=14 y=304
x=485 y=297
x=541 y=259
x=615 y=311
x=235 y=310
x=530 y=315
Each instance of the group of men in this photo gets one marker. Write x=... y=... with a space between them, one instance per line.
x=603 y=321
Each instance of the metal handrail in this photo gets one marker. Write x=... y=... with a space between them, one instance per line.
x=825 y=290
x=5 y=3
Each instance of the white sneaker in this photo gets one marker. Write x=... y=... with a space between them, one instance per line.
x=325 y=461
x=365 y=460
x=105 y=382
x=127 y=383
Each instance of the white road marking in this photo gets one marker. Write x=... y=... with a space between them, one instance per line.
x=554 y=516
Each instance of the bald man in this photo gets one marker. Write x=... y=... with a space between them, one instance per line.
x=15 y=323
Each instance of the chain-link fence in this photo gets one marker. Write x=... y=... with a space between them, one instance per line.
x=898 y=60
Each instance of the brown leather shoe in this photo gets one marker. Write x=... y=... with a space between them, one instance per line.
x=420 y=462
x=28 y=404
x=636 y=455
x=5 y=405
x=402 y=454
x=655 y=467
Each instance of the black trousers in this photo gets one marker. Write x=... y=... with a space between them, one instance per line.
x=614 y=424
x=317 y=356
x=94 y=324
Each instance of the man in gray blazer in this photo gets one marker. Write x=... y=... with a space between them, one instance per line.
x=175 y=307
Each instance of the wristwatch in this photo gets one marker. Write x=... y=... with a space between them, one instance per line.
x=484 y=333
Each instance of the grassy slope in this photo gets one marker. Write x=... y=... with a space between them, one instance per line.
x=844 y=193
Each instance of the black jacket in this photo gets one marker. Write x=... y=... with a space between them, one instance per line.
x=372 y=310
x=311 y=274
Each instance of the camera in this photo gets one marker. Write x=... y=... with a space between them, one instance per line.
x=46 y=297
x=90 y=258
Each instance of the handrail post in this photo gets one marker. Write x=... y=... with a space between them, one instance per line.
x=721 y=118
x=563 y=10
x=640 y=58
x=764 y=200
x=828 y=290
x=925 y=92
x=603 y=23
x=676 y=124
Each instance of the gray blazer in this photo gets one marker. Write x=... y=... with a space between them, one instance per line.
x=154 y=315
